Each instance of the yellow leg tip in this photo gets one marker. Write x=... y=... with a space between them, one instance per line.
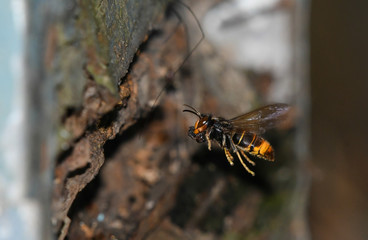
x=229 y=157
x=245 y=166
x=247 y=158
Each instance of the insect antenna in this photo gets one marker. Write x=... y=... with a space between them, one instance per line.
x=192 y=110
x=170 y=76
x=200 y=40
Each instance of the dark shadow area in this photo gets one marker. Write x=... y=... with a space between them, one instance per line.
x=108 y=118
x=111 y=146
x=85 y=197
x=217 y=157
x=63 y=155
x=78 y=171
x=209 y=168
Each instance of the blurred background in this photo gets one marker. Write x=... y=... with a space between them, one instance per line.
x=339 y=116
x=311 y=54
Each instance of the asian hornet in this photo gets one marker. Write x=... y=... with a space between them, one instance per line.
x=240 y=134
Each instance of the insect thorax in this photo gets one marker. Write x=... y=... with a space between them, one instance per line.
x=217 y=134
x=221 y=132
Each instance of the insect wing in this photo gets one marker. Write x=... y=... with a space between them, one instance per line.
x=259 y=120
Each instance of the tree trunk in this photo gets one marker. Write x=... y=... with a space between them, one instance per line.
x=124 y=165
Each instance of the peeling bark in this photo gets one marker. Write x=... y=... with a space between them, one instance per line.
x=125 y=168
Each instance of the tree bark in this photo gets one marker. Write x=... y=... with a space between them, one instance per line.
x=125 y=168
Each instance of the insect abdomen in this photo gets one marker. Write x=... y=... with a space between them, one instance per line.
x=254 y=145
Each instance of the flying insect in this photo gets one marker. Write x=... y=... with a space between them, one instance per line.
x=240 y=134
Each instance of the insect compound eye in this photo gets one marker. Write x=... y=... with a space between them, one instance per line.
x=201 y=125
x=203 y=121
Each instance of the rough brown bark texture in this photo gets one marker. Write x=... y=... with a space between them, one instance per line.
x=125 y=167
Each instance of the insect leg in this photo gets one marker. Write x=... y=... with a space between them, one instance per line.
x=208 y=139
x=235 y=149
x=223 y=140
x=245 y=166
x=228 y=156
x=247 y=158
x=208 y=143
